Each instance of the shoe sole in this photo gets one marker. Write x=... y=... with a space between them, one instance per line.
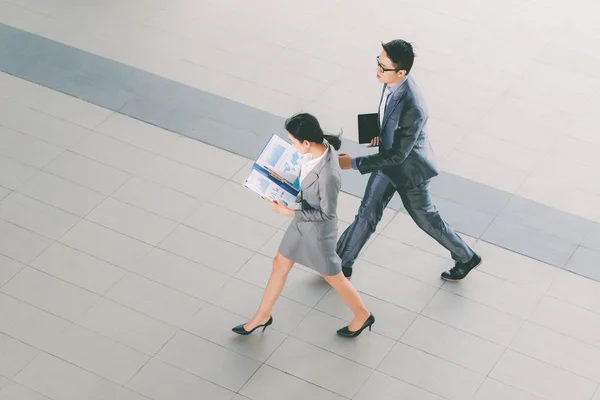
x=458 y=280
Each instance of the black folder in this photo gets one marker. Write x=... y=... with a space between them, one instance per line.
x=368 y=127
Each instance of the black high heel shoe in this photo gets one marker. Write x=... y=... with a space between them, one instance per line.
x=241 y=331
x=348 y=333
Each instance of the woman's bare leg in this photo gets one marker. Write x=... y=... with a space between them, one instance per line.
x=350 y=296
x=279 y=273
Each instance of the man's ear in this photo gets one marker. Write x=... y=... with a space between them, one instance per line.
x=401 y=73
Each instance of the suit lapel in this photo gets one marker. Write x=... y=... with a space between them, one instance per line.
x=313 y=175
x=393 y=103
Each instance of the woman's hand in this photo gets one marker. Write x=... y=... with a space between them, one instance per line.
x=280 y=208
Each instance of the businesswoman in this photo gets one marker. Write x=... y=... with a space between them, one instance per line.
x=311 y=238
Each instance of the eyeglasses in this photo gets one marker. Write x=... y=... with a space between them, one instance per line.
x=383 y=69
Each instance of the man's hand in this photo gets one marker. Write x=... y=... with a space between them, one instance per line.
x=280 y=208
x=345 y=161
x=374 y=142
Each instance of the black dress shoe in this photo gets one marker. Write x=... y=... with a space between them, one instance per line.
x=240 y=330
x=348 y=333
x=347 y=272
x=460 y=270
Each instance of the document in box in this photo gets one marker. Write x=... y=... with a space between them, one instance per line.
x=275 y=175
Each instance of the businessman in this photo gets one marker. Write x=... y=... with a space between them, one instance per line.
x=404 y=164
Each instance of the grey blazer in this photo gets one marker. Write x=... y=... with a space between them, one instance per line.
x=311 y=238
x=410 y=161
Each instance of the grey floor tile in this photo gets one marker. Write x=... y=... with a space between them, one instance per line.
x=319 y=329
x=495 y=390
x=206 y=249
x=530 y=242
x=114 y=153
x=36 y=216
x=592 y=238
x=585 y=262
x=576 y=290
x=541 y=379
x=181 y=274
x=51 y=294
x=453 y=345
x=157 y=199
x=463 y=218
x=14 y=173
x=204 y=157
x=472 y=317
x=4 y=192
x=300 y=286
x=183 y=178
x=392 y=321
x=238 y=199
x=126 y=394
x=385 y=387
x=214 y=324
x=272 y=246
x=469 y=193
x=15 y=356
x=42 y=126
x=162 y=114
x=58 y=379
x=526 y=273
x=154 y=299
x=247 y=117
x=431 y=373
x=392 y=287
x=8 y=269
x=231 y=226
x=538 y=216
x=271 y=384
x=568 y=319
x=127 y=326
x=243 y=298
x=407 y=260
x=402 y=228
x=27 y=149
x=78 y=268
x=208 y=361
x=238 y=141
x=497 y=293
x=87 y=172
x=561 y=351
x=319 y=367
x=14 y=391
x=241 y=174
x=105 y=244
x=61 y=194
x=3 y=382
x=98 y=354
x=27 y=323
x=136 y=133
x=21 y=244
x=161 y=381
x=132 y=221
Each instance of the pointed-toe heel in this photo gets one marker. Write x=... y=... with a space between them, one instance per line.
x=240 y=330
x=346 y=332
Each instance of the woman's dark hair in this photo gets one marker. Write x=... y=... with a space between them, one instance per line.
x=306 y=127
x=401 y=53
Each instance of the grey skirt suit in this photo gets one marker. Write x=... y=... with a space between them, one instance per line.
x=311 y=238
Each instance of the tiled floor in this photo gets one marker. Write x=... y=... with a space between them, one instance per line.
x=127 y=252
x=126 y=259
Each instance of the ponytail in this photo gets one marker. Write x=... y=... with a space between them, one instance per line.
x=334 y=141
